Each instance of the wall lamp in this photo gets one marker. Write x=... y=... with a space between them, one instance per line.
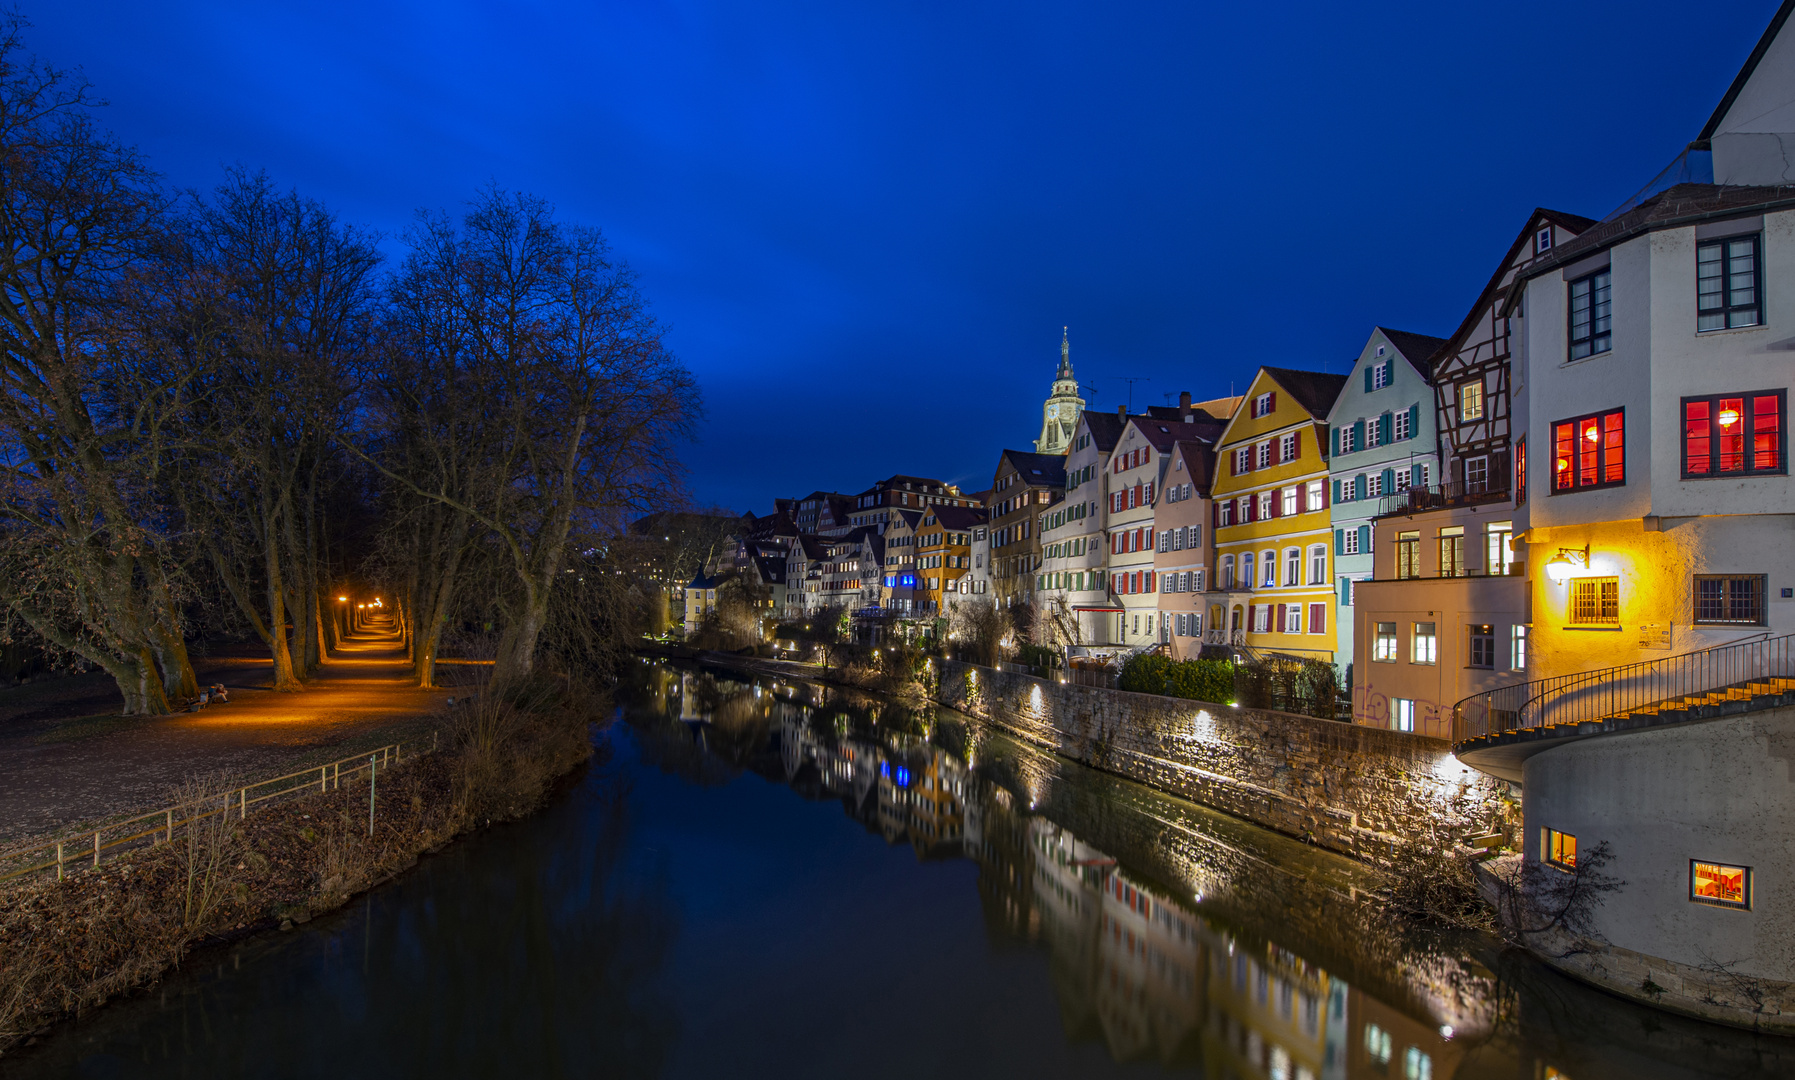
x=1559 y=566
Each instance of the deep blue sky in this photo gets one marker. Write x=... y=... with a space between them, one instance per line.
x=866 y=222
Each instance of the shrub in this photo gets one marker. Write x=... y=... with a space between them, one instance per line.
x=1202 y=680
x=1145 y=673
x=1042 y=659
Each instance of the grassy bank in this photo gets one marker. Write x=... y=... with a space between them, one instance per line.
x=68 y=946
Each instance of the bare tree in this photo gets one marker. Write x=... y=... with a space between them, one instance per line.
x=978 y=629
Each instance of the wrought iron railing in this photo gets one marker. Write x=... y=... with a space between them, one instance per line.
x=1618 y=691
x=1441 y=496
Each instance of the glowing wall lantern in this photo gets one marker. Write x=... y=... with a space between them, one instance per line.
x=1560 y=566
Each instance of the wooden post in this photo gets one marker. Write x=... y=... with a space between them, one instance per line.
x=59 y=860
x=324 y=778
x=242 y=804
x=96 y=847
x=370 y=795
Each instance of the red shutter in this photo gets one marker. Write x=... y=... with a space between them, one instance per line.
x=1318 y=618
x=1272 y=405
x=1325 y=495
x=1277 y=503
x=1296 y=446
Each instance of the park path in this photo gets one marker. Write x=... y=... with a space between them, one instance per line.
x=59 y=767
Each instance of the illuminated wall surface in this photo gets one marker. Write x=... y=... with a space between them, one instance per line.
x=1172 y=933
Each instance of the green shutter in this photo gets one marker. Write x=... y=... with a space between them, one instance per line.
x=1364 y=539
x=1339 y=541
x=1336 y=442
x=1389 y=481
x=1368 y=368
x=1336 y=491
x=1390 y=372
x=1383 y=430
x=1414 y=421
x=1358 y=435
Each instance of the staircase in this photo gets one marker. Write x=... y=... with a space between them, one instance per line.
x=1502 y=727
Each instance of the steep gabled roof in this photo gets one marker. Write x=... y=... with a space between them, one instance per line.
x=1164 y=433
x=1315 y=391
x=1574 y=223
x=1199 y=462
x=771 y=568
x=1040 y=470
x=1106 y=428
x=960 y=517
x=1746 y=72
x=1417 y=349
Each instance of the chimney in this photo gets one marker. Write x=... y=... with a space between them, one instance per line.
x=1184 y=401
x=1121 y=412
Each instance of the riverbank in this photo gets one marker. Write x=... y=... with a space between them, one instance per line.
x=68 y=946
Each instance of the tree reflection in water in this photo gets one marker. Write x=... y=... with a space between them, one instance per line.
x=524 y=951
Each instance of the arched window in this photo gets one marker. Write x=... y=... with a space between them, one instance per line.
x=1268 y=577
x=1227 y=571
x=1318 y=564
x=1246 y=570
x=1293 y=566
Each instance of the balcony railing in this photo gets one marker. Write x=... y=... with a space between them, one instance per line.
x=1743 y=671
x=1442 y=496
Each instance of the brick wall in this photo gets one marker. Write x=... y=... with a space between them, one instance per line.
x=1353 y=789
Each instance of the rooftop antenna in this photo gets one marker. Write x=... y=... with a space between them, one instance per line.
x=1131 y=380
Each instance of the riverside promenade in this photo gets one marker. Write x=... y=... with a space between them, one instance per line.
x=67 y=758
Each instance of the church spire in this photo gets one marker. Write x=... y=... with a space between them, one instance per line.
x=1059 y=415
x=1065 y=353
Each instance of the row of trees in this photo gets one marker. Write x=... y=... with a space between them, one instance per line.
x=217 y=410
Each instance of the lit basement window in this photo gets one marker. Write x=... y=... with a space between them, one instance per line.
x=1718 y=883
x=1559 y=849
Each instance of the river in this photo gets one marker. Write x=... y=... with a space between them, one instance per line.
x=766 y=878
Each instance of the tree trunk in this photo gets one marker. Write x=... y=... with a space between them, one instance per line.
x=284 y=678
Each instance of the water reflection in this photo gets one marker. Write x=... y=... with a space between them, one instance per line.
x=1176 y=935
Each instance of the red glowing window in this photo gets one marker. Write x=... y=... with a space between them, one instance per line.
x=1718 y=883
x=1589 y=451
x=1734 y=435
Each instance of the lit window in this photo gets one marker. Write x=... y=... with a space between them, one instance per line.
x=1726 y=284
x=1316 y=494
x=1718 y=883
x=1290 y=501
x=1452 y=551
x=1293 y=567
x=1733 y=435
x=1318 y=564
x=1729 y=598
x=1589 y=451
x=1470 y=401
x=1559 y=849
x=1416 y=1065
x=1592 y=321
x=1481 y=637
x=1424 y=646
x=1384 y=648
x=1499 y=551
x=1595 y=601
x=1517 y=647
x=1408 y=555
x=1377 y=1044
x=1265 y=498
x=1402 y=714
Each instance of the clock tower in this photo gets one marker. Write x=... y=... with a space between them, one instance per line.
x=1059 y=417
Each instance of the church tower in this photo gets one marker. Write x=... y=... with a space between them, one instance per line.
x=1059 y=417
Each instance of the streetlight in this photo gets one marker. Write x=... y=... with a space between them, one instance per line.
x=1559 y=567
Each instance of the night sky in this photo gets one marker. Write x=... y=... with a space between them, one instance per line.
x=865 y=223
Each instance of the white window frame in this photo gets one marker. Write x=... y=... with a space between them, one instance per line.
x=1318 y=564
x=1402 y=714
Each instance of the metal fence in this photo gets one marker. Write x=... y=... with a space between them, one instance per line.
x=86 y=850
x=1617 y=691
x=1440 y=496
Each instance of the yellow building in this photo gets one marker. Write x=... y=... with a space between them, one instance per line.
x=1273 y=546
x=944 y=555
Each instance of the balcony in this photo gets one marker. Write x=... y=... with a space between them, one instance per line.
x=1443 y=496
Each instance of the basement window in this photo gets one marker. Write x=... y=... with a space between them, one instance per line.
x=1557 y=848
x=1718 y=883
x=1730 y=599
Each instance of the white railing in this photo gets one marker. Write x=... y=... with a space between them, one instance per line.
x=86 y=850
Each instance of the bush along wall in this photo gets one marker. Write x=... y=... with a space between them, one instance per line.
x=1353 y=789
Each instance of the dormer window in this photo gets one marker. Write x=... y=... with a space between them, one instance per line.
x=1542 y=242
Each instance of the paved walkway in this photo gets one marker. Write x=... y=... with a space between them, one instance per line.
x=60 y=764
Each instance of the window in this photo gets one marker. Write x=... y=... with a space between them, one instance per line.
x=1732 y=435
x=1542 y=241
x=1246 y=570
x=1731 y=598
x=1559 y=849
x=1318 y=618
x=1227 y=571
x=1265 y=455
x=1268 y=568
x=1384 y=649
x=1521 y=470
x=1262 y=405
x=1377 y=1044
x=1589 y=451
x=1318 y=564
x=1262 y=618
x=1452 y=551
x=1499 y=548
x=1403 y=427
x=1293 y=567
x=1349 y=541
x=1517 y=647
x=1408 y=555
x=1371 y=432
x=1595 y=601
x=1402 y=714
x=1380 y=376
x=1265 y=498
x=1289 y=501
x=1477 y=475
x=1316 y=496
x=1374 y=485
x=1726 y=284
x=1424 y=646
x=1226 y=515
x=1592 y=321
x=1243 y=461
x=1718 y=883
x=1287 y=447
x=1417 y=1065
x=1481 y=638
x=1346 y=440
x=1470 y=401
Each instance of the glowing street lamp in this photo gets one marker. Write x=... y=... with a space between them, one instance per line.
x=1560 y=566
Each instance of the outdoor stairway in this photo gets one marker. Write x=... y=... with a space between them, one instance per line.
x=1497 y=730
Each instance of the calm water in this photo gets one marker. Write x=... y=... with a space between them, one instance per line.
x=765 y=879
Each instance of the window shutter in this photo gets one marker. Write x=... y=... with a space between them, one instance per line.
x=1277 y=503
x=1318 y=618
x=1358 y=435
x=1296 y=446
x=1272 y=403
x=1358 y=486
x=1334 y=439
x=1383 y=430
x=1368 y=368
x=1336 y=491
x=1414 y=420
x=1339 y=541
x=1390 y=371
x=1499 y=469
x=1458 y=472
x=1364 y=539
x=1389 y=480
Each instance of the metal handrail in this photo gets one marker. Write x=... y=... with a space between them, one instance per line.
x=1440 y=496
x=1596 y=695
x=85 y=848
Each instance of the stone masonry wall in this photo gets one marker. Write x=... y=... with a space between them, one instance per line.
x=1347 y=787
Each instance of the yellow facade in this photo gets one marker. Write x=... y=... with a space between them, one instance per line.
x=943 y=557
x=1282 y=491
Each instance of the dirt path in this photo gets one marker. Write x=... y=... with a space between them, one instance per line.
x=61 y=765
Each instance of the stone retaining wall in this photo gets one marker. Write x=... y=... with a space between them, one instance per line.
x=1353 y=789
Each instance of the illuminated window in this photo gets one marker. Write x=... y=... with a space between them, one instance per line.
x=1265 y=503
x=1499 y=551
x=1718 y=883
x=1517 y=647
x=1452 y=551
x=1377 y=1044
x=1470 y=401
x=1481 y=641
x=1728 y=436
x=1293 y=566
x=1424 y=646
x=1318 y=564
x=1589 y=451
x=1289 y=501
x=1726 y=284
x=1315 y=492
x=1416 y=1065
x=1559 y=849
x=1592 y=321
x=1402 y=714
x=1408 y=554
x=1384 y=649
x=1595 y=601
x=1729 y=598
